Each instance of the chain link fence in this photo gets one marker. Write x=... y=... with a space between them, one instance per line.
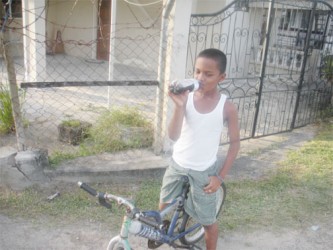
x=70 y=80
x=76 y=69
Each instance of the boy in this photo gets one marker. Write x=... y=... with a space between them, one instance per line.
x=196 y=127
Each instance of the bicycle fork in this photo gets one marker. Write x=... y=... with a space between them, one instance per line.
x=122 y=238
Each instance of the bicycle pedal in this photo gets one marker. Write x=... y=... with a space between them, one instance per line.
x=154 y=244
x=166 y=224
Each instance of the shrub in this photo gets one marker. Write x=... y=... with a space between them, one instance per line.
x=6 y=112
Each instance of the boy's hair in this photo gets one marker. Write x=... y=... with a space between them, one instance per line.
x=216 y=55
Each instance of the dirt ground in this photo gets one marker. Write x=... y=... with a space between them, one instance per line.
x=18 y=233
x=22 y=234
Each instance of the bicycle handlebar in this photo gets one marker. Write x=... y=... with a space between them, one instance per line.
x=87 y=188
x=102 y=197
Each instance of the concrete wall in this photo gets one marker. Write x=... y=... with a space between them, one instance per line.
x=77 y=21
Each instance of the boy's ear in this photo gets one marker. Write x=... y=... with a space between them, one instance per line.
x=223 y=76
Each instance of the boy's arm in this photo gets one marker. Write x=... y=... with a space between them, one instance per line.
x=231 y=117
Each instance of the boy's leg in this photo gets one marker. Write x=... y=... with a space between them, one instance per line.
x=211 y=236
x=171 y=184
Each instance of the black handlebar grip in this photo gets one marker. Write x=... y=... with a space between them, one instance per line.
x=88 y=189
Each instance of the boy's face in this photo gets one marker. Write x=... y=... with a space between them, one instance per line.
x=207 y=72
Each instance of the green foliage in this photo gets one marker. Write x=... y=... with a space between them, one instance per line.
x=299 y=191
x=59 y=156
x=107 y=133
x=6 y=112
x=71 y=123
x=327 y=68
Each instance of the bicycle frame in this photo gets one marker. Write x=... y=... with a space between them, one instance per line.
x=167 y=238
x=152 y=224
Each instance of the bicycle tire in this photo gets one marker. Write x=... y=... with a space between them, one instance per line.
x=116 y=244
x=188 y=221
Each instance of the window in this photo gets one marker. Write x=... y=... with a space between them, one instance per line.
x=294 y=19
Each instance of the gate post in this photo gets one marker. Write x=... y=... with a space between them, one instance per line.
x=263 y=64
x=305 y=58
x=172 y=61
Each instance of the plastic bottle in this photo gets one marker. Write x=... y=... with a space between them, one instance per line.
x=180 y=86
x=138 y=228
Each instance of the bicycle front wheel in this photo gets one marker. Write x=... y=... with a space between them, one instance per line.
x=187 y=222
x=116 y=243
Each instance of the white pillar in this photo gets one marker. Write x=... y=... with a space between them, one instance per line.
x=178 y=40
x=172 y=63
x=33 y=17
x=112 y=46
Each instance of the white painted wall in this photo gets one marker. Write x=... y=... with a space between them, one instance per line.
x=208 y=6
x=137 y=34
x=77 y=22
x=34 y=51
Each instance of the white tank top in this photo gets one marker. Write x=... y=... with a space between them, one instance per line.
x=200 y=136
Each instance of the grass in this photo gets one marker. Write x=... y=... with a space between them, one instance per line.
x=71 y=123
x=298 y=193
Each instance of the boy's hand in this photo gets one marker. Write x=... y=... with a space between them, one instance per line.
x=179 y=99
x=213 y=185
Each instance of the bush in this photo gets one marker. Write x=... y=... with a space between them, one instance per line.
x=6 y=112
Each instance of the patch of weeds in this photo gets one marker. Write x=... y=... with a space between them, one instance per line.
x=112 y=132
x=72 y=123
x=59 y=156
x=6 y=113
x=107 y=135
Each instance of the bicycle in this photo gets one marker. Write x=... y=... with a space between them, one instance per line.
x=152 y=224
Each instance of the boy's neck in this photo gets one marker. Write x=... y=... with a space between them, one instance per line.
x=209 y=94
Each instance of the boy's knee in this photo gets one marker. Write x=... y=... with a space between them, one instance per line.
x=211 y=228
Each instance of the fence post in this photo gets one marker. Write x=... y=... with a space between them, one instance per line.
x=160 y=96
x=306 y=50
x=20 y=137
x=263 y=64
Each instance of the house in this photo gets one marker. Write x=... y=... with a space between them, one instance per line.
x=129 y=31
x=119 y=31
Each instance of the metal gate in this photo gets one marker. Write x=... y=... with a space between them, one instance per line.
x=280 y=60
